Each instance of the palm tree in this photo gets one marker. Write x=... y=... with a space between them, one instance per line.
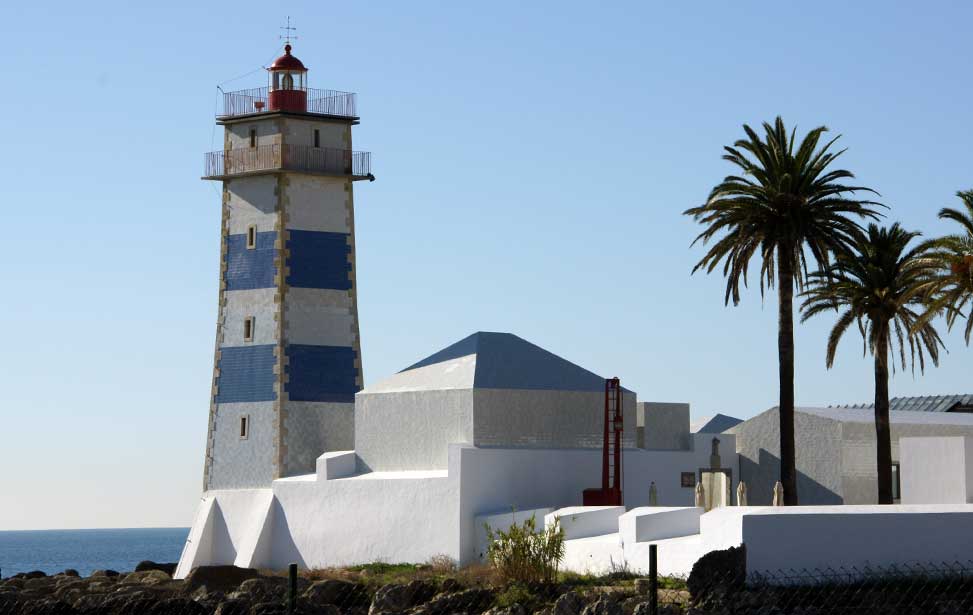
x=879 y=286
x=786 y=205
x=952 y=287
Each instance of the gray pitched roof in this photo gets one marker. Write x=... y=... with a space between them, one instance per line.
x=487 y=360
x=928 y=403
x=717 y=424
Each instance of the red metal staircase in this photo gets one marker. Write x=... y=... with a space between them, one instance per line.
x=610 y=493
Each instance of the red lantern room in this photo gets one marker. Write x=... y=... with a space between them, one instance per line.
x=288 y=83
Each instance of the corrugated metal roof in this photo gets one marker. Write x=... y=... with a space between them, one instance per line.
x=928 y=403
x=863 y=415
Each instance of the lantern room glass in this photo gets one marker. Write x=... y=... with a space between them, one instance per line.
x=287 y=80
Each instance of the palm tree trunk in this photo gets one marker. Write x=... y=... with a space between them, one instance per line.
x=785 y=350
x=883 y=435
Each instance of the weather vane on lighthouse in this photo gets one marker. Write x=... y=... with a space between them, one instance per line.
x=288 y=29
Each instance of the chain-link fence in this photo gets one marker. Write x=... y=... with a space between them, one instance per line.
x=438 y=589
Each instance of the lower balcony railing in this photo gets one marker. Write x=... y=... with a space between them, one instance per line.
x=305 y=158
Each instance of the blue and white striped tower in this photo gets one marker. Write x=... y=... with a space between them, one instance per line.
x=288 y=358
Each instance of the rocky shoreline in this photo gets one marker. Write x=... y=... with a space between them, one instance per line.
x=227 y=590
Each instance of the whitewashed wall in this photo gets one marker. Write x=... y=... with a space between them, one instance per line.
x=856 y=536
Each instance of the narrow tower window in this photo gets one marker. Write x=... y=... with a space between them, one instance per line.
x=253 y=137
x=244 y=427
x=317 y=138
x=252 y=237
x=248 y=329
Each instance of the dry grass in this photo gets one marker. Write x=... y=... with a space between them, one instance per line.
x=437 y=569
x=441 y=564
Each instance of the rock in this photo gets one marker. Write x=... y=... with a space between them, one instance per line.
x=127 y=603
x=48 y=607
x=177 y=606
x=467 y=601
x=449 y=585
x=718 y=572
x=88 y=602
x=70 y=596
x=99 y=587
x=334 y=591
x=644 y=608
x=568 y=603
x=146 y=565
x=71 y=572
x=9 y=603
x=263 y=589
x=63 y=581
x=629 y=604
x=34 y=574
x=268 y=608
x=391 y=598
x=513 y=609
x=104 y=573
x=232 y=606
x=422 y=591
x=12 y=582
x=218 y=578
x=74 y=585
x=394 y=598
x=39 y=583
x=147 y=577
x=604 y=605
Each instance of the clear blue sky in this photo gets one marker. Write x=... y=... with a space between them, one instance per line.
x=533 y=161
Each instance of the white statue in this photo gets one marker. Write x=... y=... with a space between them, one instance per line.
x=700 y=495
x=778 y=494
x=742 y=494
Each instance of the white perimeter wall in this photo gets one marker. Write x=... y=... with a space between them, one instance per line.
x=404 y=518
x=390 y=517
x=498 y=480
x=411 y=516
x=797 y=538
x=818 y=537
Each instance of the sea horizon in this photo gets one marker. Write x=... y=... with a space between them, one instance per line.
x=95 y=529
x=89 y=549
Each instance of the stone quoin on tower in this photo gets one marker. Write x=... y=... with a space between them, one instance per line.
x=287 y=363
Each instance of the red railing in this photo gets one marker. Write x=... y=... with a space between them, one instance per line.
x=326 y=160
x=257 y=100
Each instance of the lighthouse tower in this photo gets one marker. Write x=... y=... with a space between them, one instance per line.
x=288 y=359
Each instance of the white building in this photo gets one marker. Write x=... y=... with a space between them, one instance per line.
x=487 y=425
x=836 y=451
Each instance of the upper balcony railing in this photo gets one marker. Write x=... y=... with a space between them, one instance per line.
x=304 y=158
x=257 y=100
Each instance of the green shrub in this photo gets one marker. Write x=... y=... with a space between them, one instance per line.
x=515 y=594
x=377 y=568
x=522 y=554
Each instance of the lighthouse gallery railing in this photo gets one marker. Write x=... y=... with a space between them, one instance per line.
x=288 y=158
x=257 y=100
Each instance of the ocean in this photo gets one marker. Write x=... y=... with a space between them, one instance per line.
x=87 y=550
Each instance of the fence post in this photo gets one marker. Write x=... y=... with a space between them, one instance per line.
x=291 y=588
x=654 y=579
